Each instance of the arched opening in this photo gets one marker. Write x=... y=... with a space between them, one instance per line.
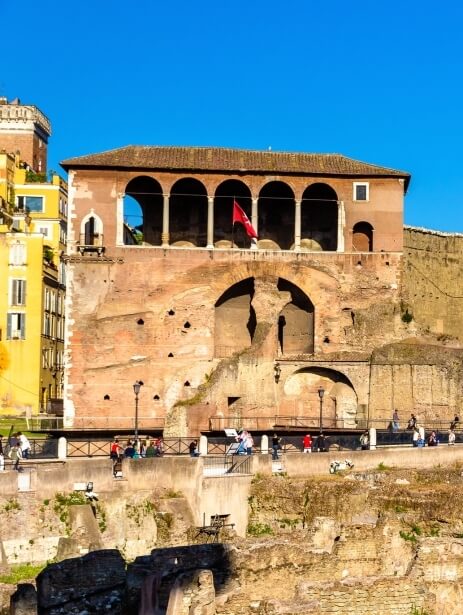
x=226 y=193
x=339 y=407
x=276 y=216
x=296 y=321
x=235 y=319
x=362 y=237
x=319 y=218
x=91 y=230
x=188 y=214
x=143 y=211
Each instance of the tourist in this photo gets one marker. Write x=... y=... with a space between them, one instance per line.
x=365 y=441
x=116 y=450
x=193 y=448
x=15 y=455
x=276 y=446
x=129 y=451
x=455 y=422
x=248 y=443
x=411 y=422
x=143 y=447
x=415 y=437
x=395 y=421
x=151 y=450
x=2 y=458
x=24 y=445
x=451 y=437
x=159 y=445
x=432 y=439
x=307 y=443
x=136 y=446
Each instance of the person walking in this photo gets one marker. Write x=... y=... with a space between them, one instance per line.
x=15 y=455
x=395 y=421
x=248 y=443
x=24 y=445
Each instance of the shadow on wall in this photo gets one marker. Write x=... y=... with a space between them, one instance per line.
x=101 y=581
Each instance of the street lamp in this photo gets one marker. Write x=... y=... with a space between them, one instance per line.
x=321 y=392
x=136 y=390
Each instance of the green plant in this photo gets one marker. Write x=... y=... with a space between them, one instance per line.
x=259 y=529
x=62 y=503
x=32 y=177
x=101 y=517
x=12 y=505
x=418 y=611
x=409 y=536
x=382 y=467
x=400 y=509
x=287 y=522
x=20 y=573
x=171 y=493
x=46 y=502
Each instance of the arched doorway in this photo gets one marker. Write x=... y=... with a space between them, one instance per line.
x=188 y=214
x=319 y=218
x=296 y=321
x=227 y=192
x=339 y=401
x=276 y=216
x=235 y=319
x=362 y=237
x=143 y=211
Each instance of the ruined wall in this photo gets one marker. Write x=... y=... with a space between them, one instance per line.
x=433 y=284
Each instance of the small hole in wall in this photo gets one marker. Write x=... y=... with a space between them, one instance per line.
x=156 y=398
x=187 y=384
x=106 y=397
x=387 y=263
x=359 y=263
x=140 y=321
x=186 y=325
x=170 y=354
x=326 y=340
x=171 y=313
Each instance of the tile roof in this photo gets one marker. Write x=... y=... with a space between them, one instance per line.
x=230 y=160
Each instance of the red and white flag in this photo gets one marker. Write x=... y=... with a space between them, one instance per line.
x=240 y=216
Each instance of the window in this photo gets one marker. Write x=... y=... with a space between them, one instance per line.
x=18 y=292
x=44 y=230
x=361 y=191
x=16 y=326
x=31 y=203
x=47 y=325
x=18 y=254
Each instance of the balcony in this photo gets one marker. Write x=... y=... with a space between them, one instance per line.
x=91 y=243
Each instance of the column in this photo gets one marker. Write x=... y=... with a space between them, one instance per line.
x=119 y=220
x=62 y=448
x=203 y=445
x=254 y=222
x=372 y=438
x=341 y=225
x=165 y=221
x=210 y=222
x=297 y=225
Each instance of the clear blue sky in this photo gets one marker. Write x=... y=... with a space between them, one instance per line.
x=376 y=81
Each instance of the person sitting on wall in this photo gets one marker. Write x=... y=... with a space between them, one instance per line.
x=159 y=445
x=415 y=437
x=276 y=446
x=365 y=441
x=411 y=422
x=451 y=437
x=454 y=423
x=432 y=439
x=116 y=450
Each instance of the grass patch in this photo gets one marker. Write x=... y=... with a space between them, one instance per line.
x=20 y=573
x=259 y=529
x=382 y=467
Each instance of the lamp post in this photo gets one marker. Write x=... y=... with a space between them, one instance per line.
x=321 y=392
x=136 y=390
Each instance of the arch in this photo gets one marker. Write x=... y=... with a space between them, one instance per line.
x=188 y=213
x=276 y=214
x=362 y=237
x=235 y=319
x=296 y=321
x=319 y=218
x=226 y=193
x=339 y=401
x=91 y=230
x=143 y=206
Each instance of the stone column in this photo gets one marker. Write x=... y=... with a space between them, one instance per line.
x=254 y=222
x=297 y=224
x=210 y=222
x=119 y=220
x=372 y=438
x=203 y=445
x=62 y=448
x=165 y=221
x=264 y=445
x=341 y=225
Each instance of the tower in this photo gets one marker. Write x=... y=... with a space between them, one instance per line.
x=24 y=129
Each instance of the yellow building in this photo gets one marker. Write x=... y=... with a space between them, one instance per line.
x=32 y=286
